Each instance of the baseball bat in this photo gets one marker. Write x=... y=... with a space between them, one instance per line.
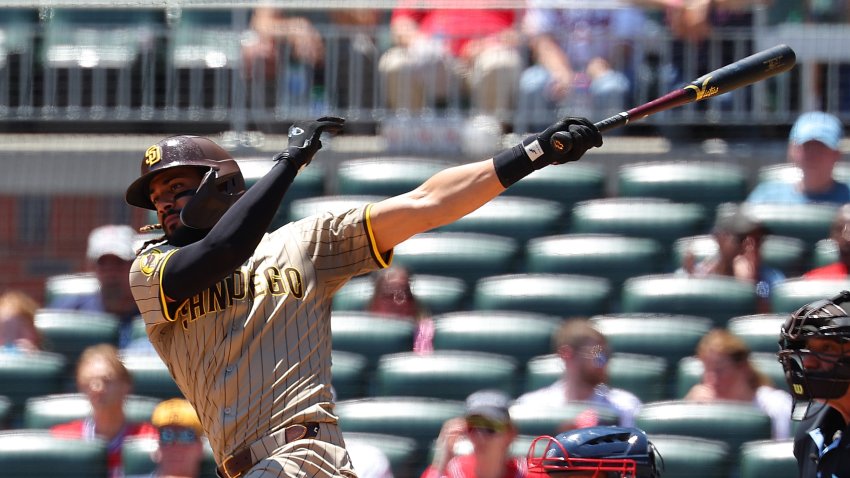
x=746 y=71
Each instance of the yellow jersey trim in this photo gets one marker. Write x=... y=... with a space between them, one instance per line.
x=163 y=299
x=384 y=262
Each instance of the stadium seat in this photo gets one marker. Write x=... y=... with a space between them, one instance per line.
x=301 y=208
x=519 y=218
x=609 y=256
x=567 y=186
x=791 y=294
x=349 y=374
x=788 y=254
x=768 y=459
x=644 y=375
x=561 y=295
x=690 y=457
x=48 y=410
x=29 y=375
x=807 y=222
x=399 y=450
x=825 y=252
x=669 y=336
x=716 y=297
x=206 y=38
x=467 y=256
x=310 y=183
x=370 y=335
x=18 y=27
x=5 y=412
x=701 y=182
x=731 y=422
x=150 y=376
x=439 y=294
x=385 y=176
x=536 y=420
x=689 y=371
x=60 y=285
x=521 y=335
x=759 y=331
x=137 y=460
x=37 y=453
x=787 y=172
x=657 y=219
x=444 y=374
x=69 y=332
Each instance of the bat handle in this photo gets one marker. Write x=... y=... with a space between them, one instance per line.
x=563 y=143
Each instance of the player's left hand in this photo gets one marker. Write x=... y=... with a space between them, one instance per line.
x=304 y=140
x=567 y=140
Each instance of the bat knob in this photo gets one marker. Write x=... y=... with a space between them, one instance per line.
x=561 y=142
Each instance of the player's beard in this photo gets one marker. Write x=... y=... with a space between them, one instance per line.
x=183 y=235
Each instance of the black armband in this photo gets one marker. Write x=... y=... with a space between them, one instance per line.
x=517 y=162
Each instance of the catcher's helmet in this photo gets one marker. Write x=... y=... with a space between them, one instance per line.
x=824 y=319
x=623 y=451
x=220 y=188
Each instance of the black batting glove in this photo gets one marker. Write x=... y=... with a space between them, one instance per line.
x=304 y=140
x=564 y=141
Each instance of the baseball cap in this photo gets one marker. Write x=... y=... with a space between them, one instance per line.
x=112 y=239
x=176 y=412
x=817 y=126
x=490 y=404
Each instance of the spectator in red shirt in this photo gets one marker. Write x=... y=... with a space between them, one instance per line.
x=840 y=234
x=106 y=382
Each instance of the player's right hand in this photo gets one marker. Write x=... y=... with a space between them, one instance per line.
x=567 y=140
x=304 y=140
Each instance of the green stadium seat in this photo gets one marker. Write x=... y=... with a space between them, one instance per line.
x=691 y=457
x=444 y=374
x=768 y=459
x=787 y=172
x=206 y=38
x=370 y=335
x=16 y=32
x=702 y=182
x=439 y=294
x=669 y=336
x=466 y=256
x=536 y=420
x=689 y=372
x=644 y=375
x=400 y=451
x=301 y=208
x=807 y=222
x=385 y=176
x=31 y=453
x=349 y=372
x=48 y=410
x=29 y=375
x=561 y=295
x=69 y=332
x=609 y=256
x=69 y=284
x=310 y=183
x=791 y=294
x=567 y=186
x=5 y=412
x=151 y=377
x=788 y=254
x=137 y=460
x=825 y=252
x=716 y=297
x=521 y=335
x=759 y=331
x=657 y=219
x=730 y=422
x=516 y=217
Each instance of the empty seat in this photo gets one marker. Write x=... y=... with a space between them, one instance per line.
x=807 y=222
x=370 y=335
x=29 y=375
x=609 y=256
x=69 y=332
x=444 y=374
x=788 y=172
x=69 y=284
x=385 y=176
x=702 y=182
x=689 y=371
x=467 y=256
x=301 y=208
x=46 y=411
x=349 y=371
x=768 y=459
x=400 y=451
x=791 y=294
x=520 y=218
x=788 y=254
x=206 y=38
x=825 y=252
x=716 y=297
x=521 y=335
x=534 y=420
x=150 y=376
x=759 y=331
x=439 y=294
x=561 y=295
x=5 y=411
x=37 y=453
x=567 y=186
x=310 y=183
x=689 y=457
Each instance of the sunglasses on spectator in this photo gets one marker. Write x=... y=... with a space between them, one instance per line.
x=597 y=354
x=170 y=436
x=484 y=426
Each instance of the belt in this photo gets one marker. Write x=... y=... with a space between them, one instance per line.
x=242 y=460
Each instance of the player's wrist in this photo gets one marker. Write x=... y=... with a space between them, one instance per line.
x=295 y=157
x=518 y=162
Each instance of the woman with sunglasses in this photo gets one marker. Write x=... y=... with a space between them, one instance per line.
x=478 y=444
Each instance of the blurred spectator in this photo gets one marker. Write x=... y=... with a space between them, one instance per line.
x=438 y=52
x=392 y=296
x=17 y=322
x=106 y=382
x=576 y=53
x=840 y=234
x=813 y=146
x=728 y=374
x=368 y=460
x=109 y=256
x=585 y=353
x=180 y=453
x=487 y=427
x=739 y=239
x=273 y=31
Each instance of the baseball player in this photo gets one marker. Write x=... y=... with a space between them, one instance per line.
x=594 y=452
x=242 y=317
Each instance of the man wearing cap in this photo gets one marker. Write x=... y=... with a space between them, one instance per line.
x=487 y=427
x=109 y=256
x=839 y=232
x=813 y=146
x=180 y=452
